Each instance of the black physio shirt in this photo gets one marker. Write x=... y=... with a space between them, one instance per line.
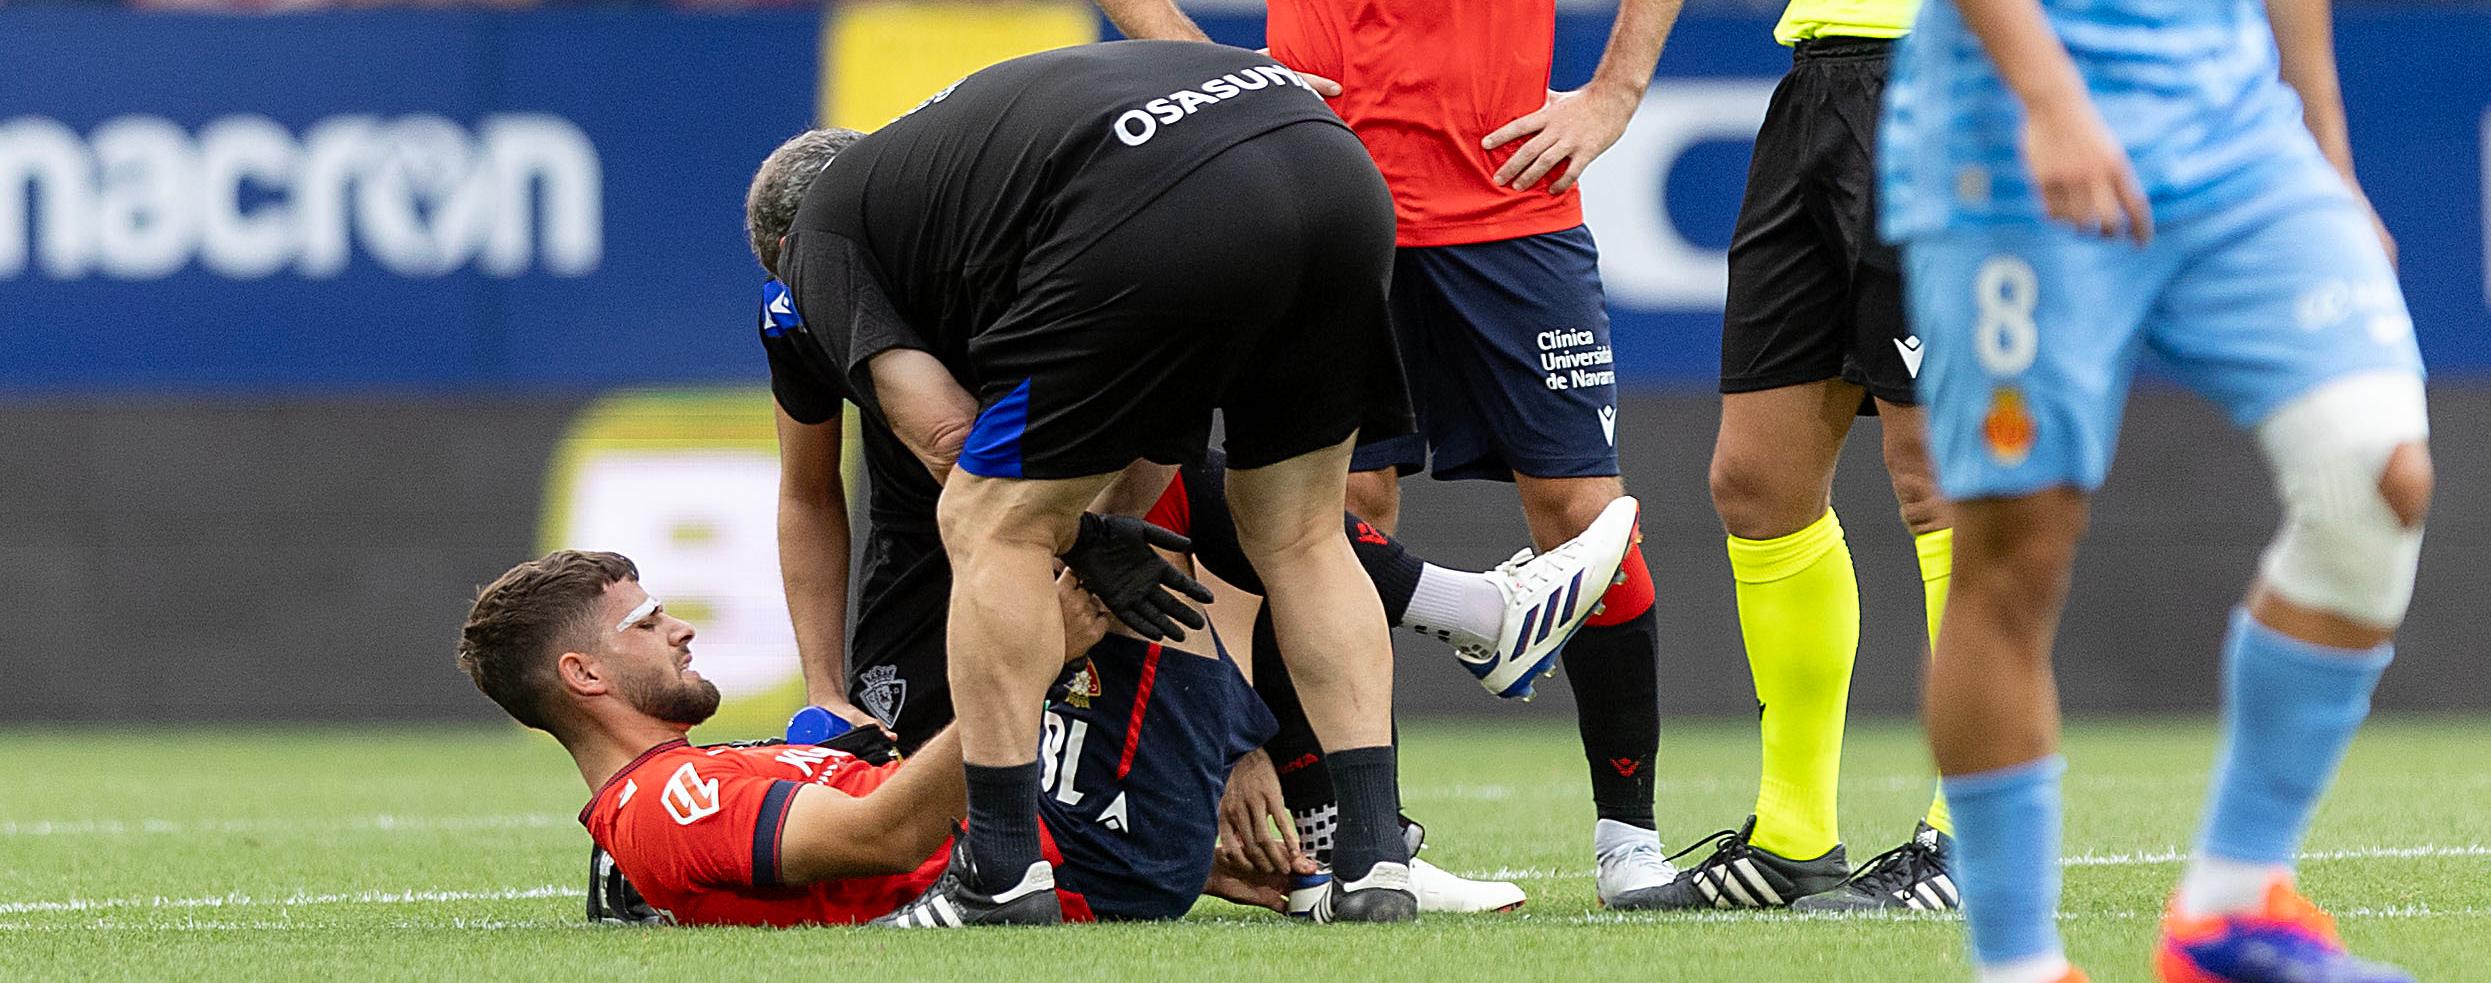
x=923 y=233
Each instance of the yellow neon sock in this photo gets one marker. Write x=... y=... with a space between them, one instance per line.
x=1937 y=567
x=1799 y=610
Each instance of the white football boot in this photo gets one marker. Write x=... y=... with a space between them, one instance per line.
x=1547 y=599
x=1441 y=890
x=1632 y=868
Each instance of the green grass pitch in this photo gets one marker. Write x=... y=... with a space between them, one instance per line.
x=304 y=854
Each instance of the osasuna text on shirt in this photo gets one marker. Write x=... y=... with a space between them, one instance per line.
x=1135 y=127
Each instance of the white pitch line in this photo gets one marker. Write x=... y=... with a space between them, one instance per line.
x=296 y=900
x=382 y=822
x=2134 y=859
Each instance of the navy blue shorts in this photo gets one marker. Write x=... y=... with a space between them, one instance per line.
x=1506 y=348
x=1136 y=753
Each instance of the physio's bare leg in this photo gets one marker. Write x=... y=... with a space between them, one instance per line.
x=1005 y=646
x=1332 y=634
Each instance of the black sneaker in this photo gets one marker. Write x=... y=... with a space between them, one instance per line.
x=1384 y=895
x=611 y=898
x=952 y=903
x=1742 y=875
x=1913 y=876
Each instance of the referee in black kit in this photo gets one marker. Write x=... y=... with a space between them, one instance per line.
x=1061 y=265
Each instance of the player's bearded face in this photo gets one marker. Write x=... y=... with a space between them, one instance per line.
x=669 y=693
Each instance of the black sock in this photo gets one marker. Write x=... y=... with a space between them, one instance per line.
x=1003 y=824
x=1370 y=832
x=1394 y=569
x=1615 y=674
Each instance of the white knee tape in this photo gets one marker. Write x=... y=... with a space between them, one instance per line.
x=2342 y=549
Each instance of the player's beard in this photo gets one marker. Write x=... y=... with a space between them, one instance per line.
x=672 y=698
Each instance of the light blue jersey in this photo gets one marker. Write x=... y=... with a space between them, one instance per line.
x=2264 y=278
x=2189 y=87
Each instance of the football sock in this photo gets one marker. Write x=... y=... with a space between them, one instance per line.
x=1799 y=611
x=2048 y=968
x=1003 y=824
x=1612 y=665
x=1937 y=567
x=1364 y=781
x=1395 y=571
x=1453 y=599
x=2007 y=862
x=2290 y=710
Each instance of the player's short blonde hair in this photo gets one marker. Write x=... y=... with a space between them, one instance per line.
x=778 y=188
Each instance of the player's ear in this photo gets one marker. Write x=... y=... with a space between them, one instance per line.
x=581 y=675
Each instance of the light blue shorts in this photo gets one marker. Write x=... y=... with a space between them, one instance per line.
x=2033 y=332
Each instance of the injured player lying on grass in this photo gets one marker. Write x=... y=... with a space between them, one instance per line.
x=775 y=834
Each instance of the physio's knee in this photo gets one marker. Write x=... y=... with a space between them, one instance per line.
x=2354 y=475
x=988 y=514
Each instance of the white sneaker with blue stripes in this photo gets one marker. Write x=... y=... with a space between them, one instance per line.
x=1547 y=598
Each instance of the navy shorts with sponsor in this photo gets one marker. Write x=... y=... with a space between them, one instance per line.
x=1136 y=752
x=1506 y=348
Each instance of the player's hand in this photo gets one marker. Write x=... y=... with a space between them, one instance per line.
x=1323 y=86
x=850 y=712
x=2084 y=175
x=1571 y=130
x=1252 y=889
x=1114 y=558
x=1250 y=810
x=1085 y=619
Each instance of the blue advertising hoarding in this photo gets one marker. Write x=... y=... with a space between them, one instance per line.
x=399 y=200
x=476 y=201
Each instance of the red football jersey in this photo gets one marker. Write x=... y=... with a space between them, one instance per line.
x=697 y=831
x=1422 y=82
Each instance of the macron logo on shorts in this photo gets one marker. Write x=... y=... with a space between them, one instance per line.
x=1135 y=127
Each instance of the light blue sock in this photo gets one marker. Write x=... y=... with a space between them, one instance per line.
x=2007 y=858
x=2289 y=710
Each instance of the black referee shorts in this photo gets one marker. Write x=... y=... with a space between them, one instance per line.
x=1814 y=293
x=1255 y=286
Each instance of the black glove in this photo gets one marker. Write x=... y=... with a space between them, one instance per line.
x=1113 y=558
x=611 y=899
x=867 y=743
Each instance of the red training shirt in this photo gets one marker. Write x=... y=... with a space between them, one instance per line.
x=1422 y=82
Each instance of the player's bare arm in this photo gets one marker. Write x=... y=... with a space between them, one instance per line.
x=2084 y=175
x=2305 y=42
x=1160 y=20
x=1155 y=19
x=926 y=407
x=830 y=834
x=813 y=544
x=1574 y=128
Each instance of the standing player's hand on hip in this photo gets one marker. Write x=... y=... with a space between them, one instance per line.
x=1571 y=130
x=1323 y=86
x=2083 y=173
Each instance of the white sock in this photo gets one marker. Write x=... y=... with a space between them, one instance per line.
x=2215 y=886
x=1455 y=600
x=2049 y=967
